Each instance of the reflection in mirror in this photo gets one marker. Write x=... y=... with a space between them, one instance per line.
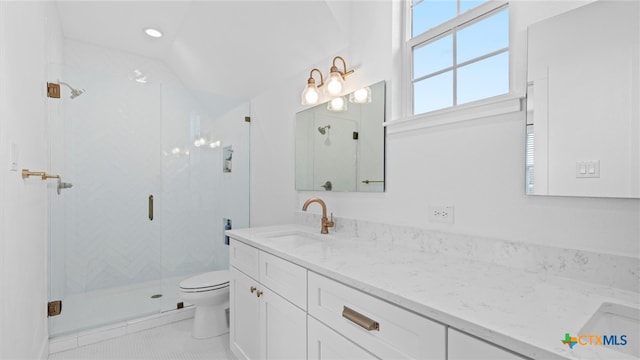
x=340 y=144
x=583 y=123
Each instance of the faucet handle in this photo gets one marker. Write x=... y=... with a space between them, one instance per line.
x=330 y=222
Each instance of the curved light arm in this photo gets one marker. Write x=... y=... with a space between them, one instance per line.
x=312 y=80
x=344 y=73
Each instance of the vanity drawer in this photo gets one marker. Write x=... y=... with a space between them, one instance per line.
x=284 y=278
x=244 y=257
x=400 y=333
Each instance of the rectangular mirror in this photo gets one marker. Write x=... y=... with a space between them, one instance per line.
x=582 y=102
x=341 y=148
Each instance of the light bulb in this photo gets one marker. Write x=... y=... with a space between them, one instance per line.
x=361 y=96
x=310 y=95
x=337 y=104
x=199 y=142
x=335 y=84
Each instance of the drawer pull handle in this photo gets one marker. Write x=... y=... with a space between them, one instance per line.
x=259 y=293
x=252 y=289
x=360 y=320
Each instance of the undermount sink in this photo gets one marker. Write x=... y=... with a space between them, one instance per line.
x=294 y=235
x=615 y=319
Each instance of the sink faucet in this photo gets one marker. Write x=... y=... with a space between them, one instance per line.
x=326 y=223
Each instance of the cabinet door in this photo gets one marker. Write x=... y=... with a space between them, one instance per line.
x=243 y=329
x=465 y=347
x=282 y=328
x=326 y=344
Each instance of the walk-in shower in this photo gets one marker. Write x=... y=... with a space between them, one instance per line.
x=128 y=148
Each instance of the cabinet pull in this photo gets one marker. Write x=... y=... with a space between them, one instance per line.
x=150 y=207
x=252 y=289
x=259 y=293
x=360 y=320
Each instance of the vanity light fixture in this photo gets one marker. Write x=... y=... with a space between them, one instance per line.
x=333 y=87
x=311 y=94
x=361 y=96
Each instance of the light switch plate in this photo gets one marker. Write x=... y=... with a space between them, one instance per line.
x=588 y=169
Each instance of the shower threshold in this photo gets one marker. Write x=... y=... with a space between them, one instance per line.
x=106 y=307
x=92 y=336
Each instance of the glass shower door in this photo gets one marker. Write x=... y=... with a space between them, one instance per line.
x=105 y=247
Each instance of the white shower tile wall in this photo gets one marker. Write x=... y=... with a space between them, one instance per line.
x=617 y=271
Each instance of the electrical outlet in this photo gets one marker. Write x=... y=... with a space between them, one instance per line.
x=442 y=214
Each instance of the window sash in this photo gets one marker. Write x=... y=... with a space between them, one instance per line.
x=447 y=28
x=466 y=18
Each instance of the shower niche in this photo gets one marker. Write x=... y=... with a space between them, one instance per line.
x=227 y=159
x=122 y=140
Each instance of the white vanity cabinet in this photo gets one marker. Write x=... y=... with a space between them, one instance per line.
x=268 y=305
x=465 y=347
x=280 y=310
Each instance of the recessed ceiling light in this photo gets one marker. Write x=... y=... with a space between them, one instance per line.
x=153 y=32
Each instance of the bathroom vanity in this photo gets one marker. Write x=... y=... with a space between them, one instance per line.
x=298 y=294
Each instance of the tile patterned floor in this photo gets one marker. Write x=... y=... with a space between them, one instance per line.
x=172 y=341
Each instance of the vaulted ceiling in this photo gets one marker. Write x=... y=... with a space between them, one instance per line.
x=233 y=48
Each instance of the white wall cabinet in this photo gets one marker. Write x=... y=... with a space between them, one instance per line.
x=465 y=347
x=265 y=325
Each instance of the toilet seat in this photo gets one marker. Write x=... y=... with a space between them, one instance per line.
x=209 y=281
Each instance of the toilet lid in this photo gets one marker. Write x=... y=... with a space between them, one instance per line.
x=213 y=279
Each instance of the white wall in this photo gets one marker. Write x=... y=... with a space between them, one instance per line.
x=29 y=38
x=476 y=166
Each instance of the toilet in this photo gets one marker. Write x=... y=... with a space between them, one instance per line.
x=209 y=293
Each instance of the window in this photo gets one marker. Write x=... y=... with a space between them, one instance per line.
x=459 y=52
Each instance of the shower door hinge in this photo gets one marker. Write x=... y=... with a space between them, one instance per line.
x=247 y=119
x=53 y=90
x=54 y=308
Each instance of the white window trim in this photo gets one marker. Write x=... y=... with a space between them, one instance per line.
x=502 y=104
x=494 y=106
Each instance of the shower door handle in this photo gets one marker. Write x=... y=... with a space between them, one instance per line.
x=150 y=207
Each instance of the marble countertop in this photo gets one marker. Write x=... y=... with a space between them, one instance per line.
x=526 y=312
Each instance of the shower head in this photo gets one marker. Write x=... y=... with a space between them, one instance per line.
x=74 y=92
x=323 y=129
